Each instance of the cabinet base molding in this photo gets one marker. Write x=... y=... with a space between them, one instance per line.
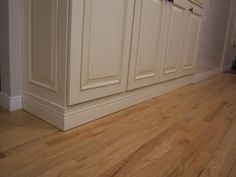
x=205 y=75
x=66 y=118
x=43 y=109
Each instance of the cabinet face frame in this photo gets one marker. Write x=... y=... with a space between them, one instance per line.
x=83 y=86
x=147 y=43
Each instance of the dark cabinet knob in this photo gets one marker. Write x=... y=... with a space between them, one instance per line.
x=191 y=9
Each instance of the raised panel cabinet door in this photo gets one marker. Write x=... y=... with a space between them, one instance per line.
x=99 y=48
x=42 y=42
x=146 y=43
x=44 y=48
x=191 y=40
x=177 y=11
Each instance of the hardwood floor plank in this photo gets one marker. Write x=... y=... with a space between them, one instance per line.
x=189 y=132
x=225 y=153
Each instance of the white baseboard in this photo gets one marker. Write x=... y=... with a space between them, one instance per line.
x=226 y=68
x=44 y=110
x=205 y=75
x=69 y=117
x=10 y=103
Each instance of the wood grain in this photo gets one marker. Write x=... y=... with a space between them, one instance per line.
x=190 y=132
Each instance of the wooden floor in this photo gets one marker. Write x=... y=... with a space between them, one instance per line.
x=190 y=132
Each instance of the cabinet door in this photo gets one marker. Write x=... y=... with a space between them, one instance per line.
x=177 y=12
x=191 y=40
x=146 y=43
x=99 y=48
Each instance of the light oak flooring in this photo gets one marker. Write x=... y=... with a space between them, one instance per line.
x=190 y=132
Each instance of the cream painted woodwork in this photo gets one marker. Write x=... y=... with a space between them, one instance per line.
x=147 y=43
x=159 y=41
x=84 y=59
x=176 y=16
x=191 y=40
x=45 y=49
x=100 y=45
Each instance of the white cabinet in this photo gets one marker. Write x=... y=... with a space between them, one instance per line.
x=84 y=59
x=164 y=41
x=147 y=43
x=100 y=45
x=103 y=59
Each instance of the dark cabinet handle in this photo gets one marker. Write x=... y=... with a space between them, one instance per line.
x=171 y=1
x=191 y=9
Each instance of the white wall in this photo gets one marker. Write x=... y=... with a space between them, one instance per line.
x=10 y=54
x=212 y=37
x=230 y=52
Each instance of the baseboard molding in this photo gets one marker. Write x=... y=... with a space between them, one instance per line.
x=44 y=110
x=10 y=103
x=69 y=117
x=226 y=68
x=205 y=75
